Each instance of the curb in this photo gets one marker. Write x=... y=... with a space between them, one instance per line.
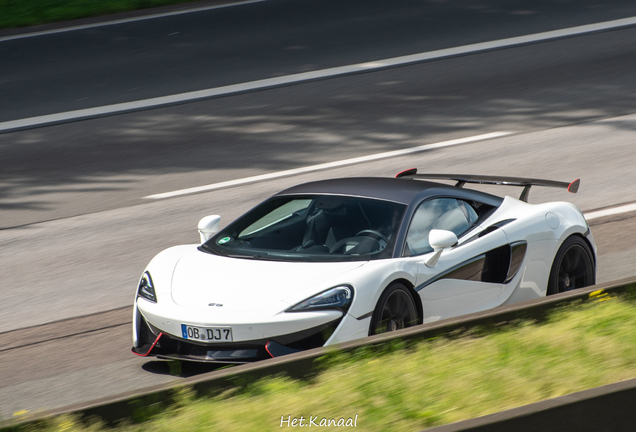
x=114 y=18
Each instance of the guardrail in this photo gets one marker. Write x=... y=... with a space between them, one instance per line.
x=130 y=404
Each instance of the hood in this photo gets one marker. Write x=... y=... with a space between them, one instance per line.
x=200 y=279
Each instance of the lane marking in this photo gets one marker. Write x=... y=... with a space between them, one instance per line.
x=609 y=212
x=310 y=76
x=125 y=20
x=327 y=165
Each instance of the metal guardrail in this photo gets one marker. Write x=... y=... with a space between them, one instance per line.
x=128 y=405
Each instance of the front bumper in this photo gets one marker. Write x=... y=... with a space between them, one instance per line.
x=151 y=341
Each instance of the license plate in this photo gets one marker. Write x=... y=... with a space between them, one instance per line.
x=208 y=334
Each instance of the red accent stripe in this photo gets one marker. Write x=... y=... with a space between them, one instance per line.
x=153 y=345
x=409 y=171
x=267 y=349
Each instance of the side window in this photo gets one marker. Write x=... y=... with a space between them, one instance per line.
x=469 y=212
x=440 y=213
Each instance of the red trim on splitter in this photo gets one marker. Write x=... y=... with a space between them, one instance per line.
x=267 y=349
x=409 y=171
x=574 y=186
x=151 y=347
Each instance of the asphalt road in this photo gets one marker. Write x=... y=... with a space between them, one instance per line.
x=75 y=231
x=107 y=163
x=124 y=62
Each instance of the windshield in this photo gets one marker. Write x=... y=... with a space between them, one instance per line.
x=312 y=228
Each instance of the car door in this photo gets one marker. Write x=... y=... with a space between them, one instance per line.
x=466 y=278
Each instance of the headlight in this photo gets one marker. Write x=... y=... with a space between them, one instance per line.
x=146 y=288
x=334 y=298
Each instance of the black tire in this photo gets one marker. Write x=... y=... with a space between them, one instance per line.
x=573 y=266
x=395 y=310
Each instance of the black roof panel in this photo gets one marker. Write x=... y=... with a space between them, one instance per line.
x=403 y=191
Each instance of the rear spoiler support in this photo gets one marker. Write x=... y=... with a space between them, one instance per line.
x=462 y=179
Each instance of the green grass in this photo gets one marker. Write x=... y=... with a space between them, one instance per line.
x=21 y=13
x=404 y=387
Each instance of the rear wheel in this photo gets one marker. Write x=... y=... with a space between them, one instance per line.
x=573 y=267
x=395 y=310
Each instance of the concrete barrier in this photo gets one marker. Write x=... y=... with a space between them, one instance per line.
x=609 y=408
x=133 y=404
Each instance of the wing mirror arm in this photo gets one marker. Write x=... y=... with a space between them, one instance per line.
x=208 y=226
x=439 y=240
x=433 y=260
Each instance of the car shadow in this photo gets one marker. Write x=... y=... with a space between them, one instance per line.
x=181 y=369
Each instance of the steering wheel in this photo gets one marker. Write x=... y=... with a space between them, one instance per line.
x=356 y=246
x=378 y=234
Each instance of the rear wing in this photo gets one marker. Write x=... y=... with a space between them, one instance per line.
x=462 y=179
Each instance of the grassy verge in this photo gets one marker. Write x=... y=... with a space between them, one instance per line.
x=408 y=388
x=21 y=13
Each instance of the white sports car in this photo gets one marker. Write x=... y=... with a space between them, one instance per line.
x=336 y=260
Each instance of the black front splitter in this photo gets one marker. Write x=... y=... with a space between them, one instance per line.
x=200 y=359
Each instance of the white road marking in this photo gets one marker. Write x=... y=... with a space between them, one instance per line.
x=309 y=76
x=124 y=21
x=327 y=165
x=609 y=212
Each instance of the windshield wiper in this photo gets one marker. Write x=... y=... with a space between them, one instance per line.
x=244 y=256
x=207 y=249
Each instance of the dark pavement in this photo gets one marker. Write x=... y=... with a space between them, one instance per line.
x=164 y=56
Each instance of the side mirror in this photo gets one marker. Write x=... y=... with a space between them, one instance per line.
x=208 y=226
x=439 y=240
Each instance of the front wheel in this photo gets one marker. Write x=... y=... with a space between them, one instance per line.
x=395 y=310
x=573 y=267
